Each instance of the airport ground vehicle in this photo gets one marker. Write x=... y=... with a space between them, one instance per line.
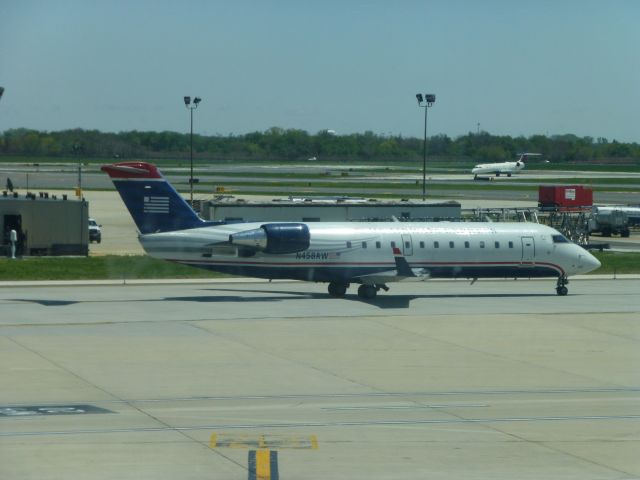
x=609 y=222
x=95 y=231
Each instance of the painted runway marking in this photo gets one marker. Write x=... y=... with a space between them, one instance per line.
x=263 y=465
x=223 y=440
x=37 y=410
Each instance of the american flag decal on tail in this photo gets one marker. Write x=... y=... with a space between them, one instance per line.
x=156 y=205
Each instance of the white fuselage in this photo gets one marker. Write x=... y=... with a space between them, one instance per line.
x=498 y=168
x=349 y=250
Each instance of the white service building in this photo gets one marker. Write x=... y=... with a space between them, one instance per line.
x=332 y=210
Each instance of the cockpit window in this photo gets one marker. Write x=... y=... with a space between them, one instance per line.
x=559 y=239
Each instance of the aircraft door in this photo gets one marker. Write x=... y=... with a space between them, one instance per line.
x=407 y=245
x=528 y=250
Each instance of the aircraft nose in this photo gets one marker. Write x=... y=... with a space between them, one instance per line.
x=590 y=262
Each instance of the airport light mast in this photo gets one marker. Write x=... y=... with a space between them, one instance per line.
x=191 y=107
x=428 y=99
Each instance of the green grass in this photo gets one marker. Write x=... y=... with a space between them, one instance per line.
x=618 y=263
x=113 y=267
x=454 y=164
x=596 y=182
x=110 y=267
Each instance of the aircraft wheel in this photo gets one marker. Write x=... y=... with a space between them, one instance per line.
x=337 y=290
x=497 y=174
x=508 y=175
x=367 y=292
x=562 y=291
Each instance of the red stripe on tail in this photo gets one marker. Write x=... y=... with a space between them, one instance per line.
x=131 y=170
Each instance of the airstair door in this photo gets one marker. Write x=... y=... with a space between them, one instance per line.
x=528 y=251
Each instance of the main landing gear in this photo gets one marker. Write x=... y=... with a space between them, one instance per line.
x=365 y=292
x=560 y=286
x=369 y=292
x=338 y=290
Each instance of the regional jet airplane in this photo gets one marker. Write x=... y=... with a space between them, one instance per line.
x=504 y=167
x=372 y=254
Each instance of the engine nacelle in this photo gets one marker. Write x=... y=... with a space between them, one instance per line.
x=276 y=238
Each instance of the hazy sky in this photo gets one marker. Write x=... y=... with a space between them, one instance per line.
x=516 y=67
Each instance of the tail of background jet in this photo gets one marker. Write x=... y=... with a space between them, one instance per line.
x=525 y=156
x=152 y=202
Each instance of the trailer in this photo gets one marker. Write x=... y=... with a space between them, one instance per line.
x=553 y=197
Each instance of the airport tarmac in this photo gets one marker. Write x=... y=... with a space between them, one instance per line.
x=496 y=380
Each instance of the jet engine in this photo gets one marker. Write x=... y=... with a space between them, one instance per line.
x=276 y=238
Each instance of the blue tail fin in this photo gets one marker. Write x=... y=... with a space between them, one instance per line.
x=152 y=202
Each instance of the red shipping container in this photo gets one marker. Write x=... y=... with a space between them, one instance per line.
x=563 y=196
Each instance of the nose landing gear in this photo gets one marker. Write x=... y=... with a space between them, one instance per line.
x=561 y=289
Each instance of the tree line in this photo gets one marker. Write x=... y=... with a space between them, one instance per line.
x=292 y=144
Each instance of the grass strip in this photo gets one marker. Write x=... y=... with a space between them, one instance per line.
x=115 y=267
x=617 y=262
x=109 y=267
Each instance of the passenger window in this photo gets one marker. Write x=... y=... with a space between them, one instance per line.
x=421 y=244
x=436 y=244
x=407 y=245
x=510 y=244
x=378 y=245
x=393 y=244
x=466 y=244
x=348 y=244
x=481 y=244
x=364 y=244
x=497 y=244
x=451 y=245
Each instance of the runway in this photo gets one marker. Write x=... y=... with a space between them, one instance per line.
x=500 y=379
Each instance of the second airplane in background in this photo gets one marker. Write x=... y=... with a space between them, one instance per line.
x=506 y=168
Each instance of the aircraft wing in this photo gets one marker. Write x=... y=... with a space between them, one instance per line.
x=402 y=273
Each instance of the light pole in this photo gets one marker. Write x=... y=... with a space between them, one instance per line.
x=191 y=107
x=76 y=150
x=428 y=99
